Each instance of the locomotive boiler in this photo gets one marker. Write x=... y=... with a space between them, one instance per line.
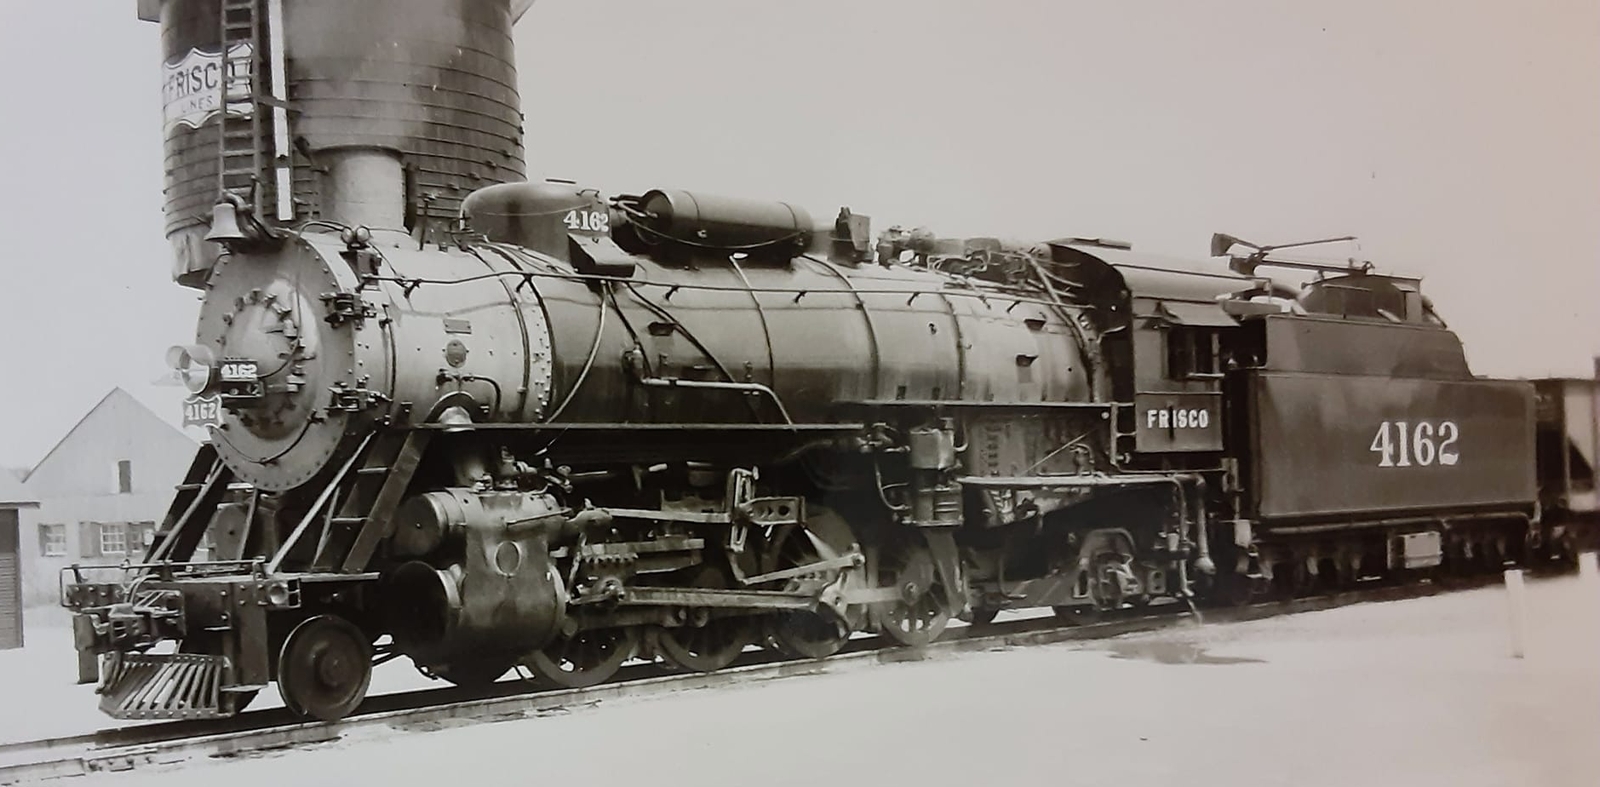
x=527 y=424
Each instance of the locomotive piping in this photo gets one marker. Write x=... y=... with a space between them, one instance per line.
x=599 y=332
x=413 y=282
x=674 y=382
x=866 y=315
x=766 y=332
x=877 y=474
x=961 y=348
x=666 y=315
x=1203 y=560
x=1082 y=341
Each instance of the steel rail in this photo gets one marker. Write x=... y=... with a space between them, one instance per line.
x=171 y=743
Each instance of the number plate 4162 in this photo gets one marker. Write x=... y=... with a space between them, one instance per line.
x=1420 y=443
x=588 y=221
x=238 y=371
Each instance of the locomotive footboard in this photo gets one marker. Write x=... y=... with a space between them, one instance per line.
x=182 y=641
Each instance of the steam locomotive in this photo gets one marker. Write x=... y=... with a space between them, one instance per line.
x=546 y=427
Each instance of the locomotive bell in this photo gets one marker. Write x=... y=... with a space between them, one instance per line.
x=225 y=223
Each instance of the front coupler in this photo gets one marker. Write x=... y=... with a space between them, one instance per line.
x=220 y=652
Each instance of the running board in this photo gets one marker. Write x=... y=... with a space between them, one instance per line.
x=168 y=686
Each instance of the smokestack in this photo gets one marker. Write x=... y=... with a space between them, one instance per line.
x=363 y=187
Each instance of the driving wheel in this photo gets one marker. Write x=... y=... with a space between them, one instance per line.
x=587 y=658
x=705 y=642
x=823 y=632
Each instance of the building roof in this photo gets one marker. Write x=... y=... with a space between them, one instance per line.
x=12 y=493
x=113 y=395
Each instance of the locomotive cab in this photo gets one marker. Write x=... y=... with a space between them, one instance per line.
x=1169 y=337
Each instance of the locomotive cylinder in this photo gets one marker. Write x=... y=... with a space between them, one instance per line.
x=424 y=521
x=485 y=585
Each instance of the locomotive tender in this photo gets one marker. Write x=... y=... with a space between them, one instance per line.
x=529 y=424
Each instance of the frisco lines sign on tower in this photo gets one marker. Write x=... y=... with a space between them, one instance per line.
x=191 y=88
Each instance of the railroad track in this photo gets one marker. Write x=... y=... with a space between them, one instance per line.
x=170 y=743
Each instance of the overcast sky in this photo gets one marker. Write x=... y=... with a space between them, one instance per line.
x=1460 y=140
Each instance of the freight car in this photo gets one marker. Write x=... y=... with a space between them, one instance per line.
x=572 y=429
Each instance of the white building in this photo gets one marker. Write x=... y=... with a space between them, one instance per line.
x=101 y=491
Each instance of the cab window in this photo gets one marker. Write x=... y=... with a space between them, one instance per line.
x=1191 y=352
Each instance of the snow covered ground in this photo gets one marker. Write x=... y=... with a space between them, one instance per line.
x=41 y=697
x=1420 y=692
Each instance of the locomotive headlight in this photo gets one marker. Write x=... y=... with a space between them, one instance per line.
x=195 y=365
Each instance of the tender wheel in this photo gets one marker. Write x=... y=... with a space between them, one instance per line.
x=325 y=668
x=921 y=613
x=585 y=659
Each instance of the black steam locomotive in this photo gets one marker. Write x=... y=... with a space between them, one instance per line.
x=569 y=430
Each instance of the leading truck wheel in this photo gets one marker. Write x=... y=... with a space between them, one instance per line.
x=325 y=668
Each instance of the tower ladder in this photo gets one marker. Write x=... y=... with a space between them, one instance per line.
x=239 y=153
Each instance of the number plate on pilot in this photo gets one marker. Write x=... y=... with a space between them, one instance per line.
x=202 y=411
x=238 y=371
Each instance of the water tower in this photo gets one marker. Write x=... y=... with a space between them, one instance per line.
x=377 y=112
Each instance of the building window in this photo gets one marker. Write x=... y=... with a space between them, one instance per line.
x=125 y=477
x=53 y=540
x=113 y=538
x=143 y=534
